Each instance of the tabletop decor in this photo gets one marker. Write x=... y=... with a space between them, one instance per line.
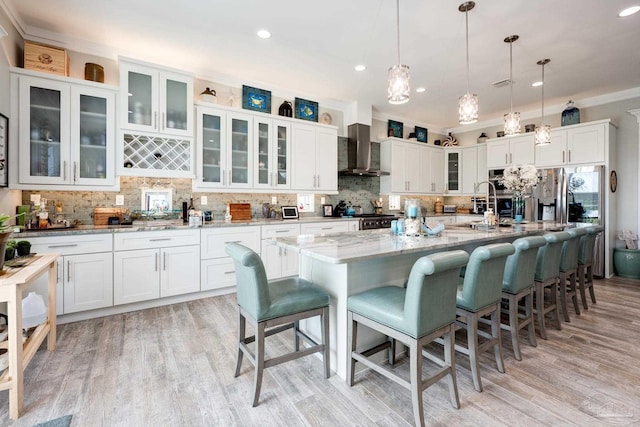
x=4 y=150
x=421 y=134
x=570 y=115
x=519 y=179
x=306 y=110
x=395 y=129
x=256 y=99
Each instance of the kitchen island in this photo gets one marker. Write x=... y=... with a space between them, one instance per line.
x=348 y=263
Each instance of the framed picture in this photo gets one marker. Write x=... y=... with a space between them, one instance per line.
x=306 y=110
x=327 y=210
x=289 y=212
x=421 y=134
x=256 y=99
x=4 y=150
x=395 y=129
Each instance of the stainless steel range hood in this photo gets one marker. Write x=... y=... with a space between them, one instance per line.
x=359 y=152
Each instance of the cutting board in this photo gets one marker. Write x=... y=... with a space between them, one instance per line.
x=241 y=211
x=101 y=215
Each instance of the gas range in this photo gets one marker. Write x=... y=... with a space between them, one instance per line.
x=372 y=221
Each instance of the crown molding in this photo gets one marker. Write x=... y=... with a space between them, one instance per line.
x=384 y=117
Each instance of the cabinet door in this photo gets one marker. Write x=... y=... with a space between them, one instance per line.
x=240 y=148
x=469 y=170
x=498 y=154
x=136 y=276
x=282 y=154
x=554 y=153
x=180 y=270
x=139 y=97
x=398 y=175
x=44 y=149
x=176 y=104
x=303 y=165
x=453 y=168
x=263 y=170
x=290 y=260
x=327 y=159
x=585 y=144
x=88 y=281
x=272 y=259
x=412 y=168
x=437 y=170
x=522 y=150
x=211 y=131
x=92 y=136
x=483 y=173
x=217 y=273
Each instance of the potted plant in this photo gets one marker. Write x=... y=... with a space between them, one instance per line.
x=5 y=233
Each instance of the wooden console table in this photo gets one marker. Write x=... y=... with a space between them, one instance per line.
x=12 y=284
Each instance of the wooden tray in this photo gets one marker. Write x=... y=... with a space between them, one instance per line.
x=101 y=215
x=240 y=211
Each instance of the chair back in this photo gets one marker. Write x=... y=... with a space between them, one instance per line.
x=520 y=268
x=251 y=280
x=430 y=300
x=587 y=244
x=548 y=258
x=482 y=283
x=570 y=249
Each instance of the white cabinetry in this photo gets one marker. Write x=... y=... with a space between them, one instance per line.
x=279 y=262
x=218 y=270
x=328 y=227
x=432 y=170
x=155 y=264
x=272 y=160
x=574 y=145
x=473 y=167
x=66 y=131
x=314 y=163
x=510 y=150
x=414 y=168
x=453 y=170
x=85 y=270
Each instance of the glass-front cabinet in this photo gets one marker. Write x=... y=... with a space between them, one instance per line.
x=156 y=100
x=66 y=133
x=272 y=161
x=453 y=170
x=225 y=148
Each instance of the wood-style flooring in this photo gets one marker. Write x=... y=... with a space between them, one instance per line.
x=173 y=366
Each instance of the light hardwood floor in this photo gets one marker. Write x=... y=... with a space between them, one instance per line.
x=173 y=366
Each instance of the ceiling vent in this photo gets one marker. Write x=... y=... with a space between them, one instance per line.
x=502 y=83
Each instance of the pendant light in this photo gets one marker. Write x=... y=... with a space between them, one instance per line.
x=468 y=103
x=398 y=78
x=511 y=120
x=543 y=132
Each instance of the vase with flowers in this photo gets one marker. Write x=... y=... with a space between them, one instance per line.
x=519 y=179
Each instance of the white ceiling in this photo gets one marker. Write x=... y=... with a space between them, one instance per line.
x=316 y=44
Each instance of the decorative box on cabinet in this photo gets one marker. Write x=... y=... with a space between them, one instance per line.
x=65 y=132
x=279 y=262
x=218 y=270
x=314 y=164
x=85 y=271
x=510 y=150
x=575 y=145
x=155 y=264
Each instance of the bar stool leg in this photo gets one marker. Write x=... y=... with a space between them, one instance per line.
x=474 y=357
x=497 y=335
x=540 y=310
x=562 y=288
x=259 y=362
x=450 y=360
x=352 y=339
x=590 y=284
x=242 y=322
x=513 y=326
x=528 y=310
x=582 y=286
x=415 y=364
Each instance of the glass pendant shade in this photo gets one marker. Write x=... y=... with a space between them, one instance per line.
x=398 y=89
x=512 y=123
x=543 y=134
x=468 y=109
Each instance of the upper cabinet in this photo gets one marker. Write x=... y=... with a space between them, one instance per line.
x=156 y=100
x=510 y=150
x=453 y=167
x=574 y=145
x=273 y=153
x=66 y=131
x=314 y=163
x=414 y=168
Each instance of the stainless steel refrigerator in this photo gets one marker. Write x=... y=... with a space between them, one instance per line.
x=573 y=195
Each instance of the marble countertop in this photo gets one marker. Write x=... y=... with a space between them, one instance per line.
x=370 y=244
x=165 y=225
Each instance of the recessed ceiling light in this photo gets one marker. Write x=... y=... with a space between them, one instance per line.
x=264 y=34
x=536 y=84
x=420 y=89
x=360 y=67
x=629 y=11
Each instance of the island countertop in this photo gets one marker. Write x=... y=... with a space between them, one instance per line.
x=370 y=244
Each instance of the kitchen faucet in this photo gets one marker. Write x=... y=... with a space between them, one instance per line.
x=495 y=197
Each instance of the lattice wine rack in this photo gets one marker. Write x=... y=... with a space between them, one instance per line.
x=146 y=152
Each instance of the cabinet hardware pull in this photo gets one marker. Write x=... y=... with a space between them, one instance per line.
x=281 y=231
x=229 y=272
x=155 y=120
x=223 y=173
x=279 y=251
x=506 y=159
x=68 y=270
x=160 y=239
x=75 y=171
x=64 y=170
x=510 y=157
x=164 y=261
x=326 y=228
x=156 y=262
x=163 y=123
x=69 y=245
x=229 y=173
x=234 y=241
x=318 y=181
x=569 y=156
x=562 y=156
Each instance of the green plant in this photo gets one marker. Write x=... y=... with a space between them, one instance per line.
x=4 y=218
x=23 y=247
x=10 y=251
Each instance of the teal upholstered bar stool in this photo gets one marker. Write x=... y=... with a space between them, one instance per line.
x=585 y=262
x=517 y=285
x=546 y=279
x=416 y=315
x=277 y=305
x=480 y=295
x=568 y=271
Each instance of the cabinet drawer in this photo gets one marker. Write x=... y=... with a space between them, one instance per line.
x=155 y=239
x=213 y=240
x=72 y=245
x=280 y=230
x=217 y=273
x=325 y=227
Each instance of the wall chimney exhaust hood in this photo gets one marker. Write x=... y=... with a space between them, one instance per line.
x=359 y=152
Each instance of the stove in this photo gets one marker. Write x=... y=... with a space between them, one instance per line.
x=372 y=221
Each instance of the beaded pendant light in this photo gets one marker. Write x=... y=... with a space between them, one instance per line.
x=398 y=79
x=543 y=132
x=468 y=103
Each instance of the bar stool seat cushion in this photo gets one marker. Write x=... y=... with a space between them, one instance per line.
x=293 y=295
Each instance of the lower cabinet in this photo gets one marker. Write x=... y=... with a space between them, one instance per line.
x=321 y=228
x=155 y=264
x=85 y=271
x=279 y=262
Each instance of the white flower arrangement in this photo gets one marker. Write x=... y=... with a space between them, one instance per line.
x=519 y=179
